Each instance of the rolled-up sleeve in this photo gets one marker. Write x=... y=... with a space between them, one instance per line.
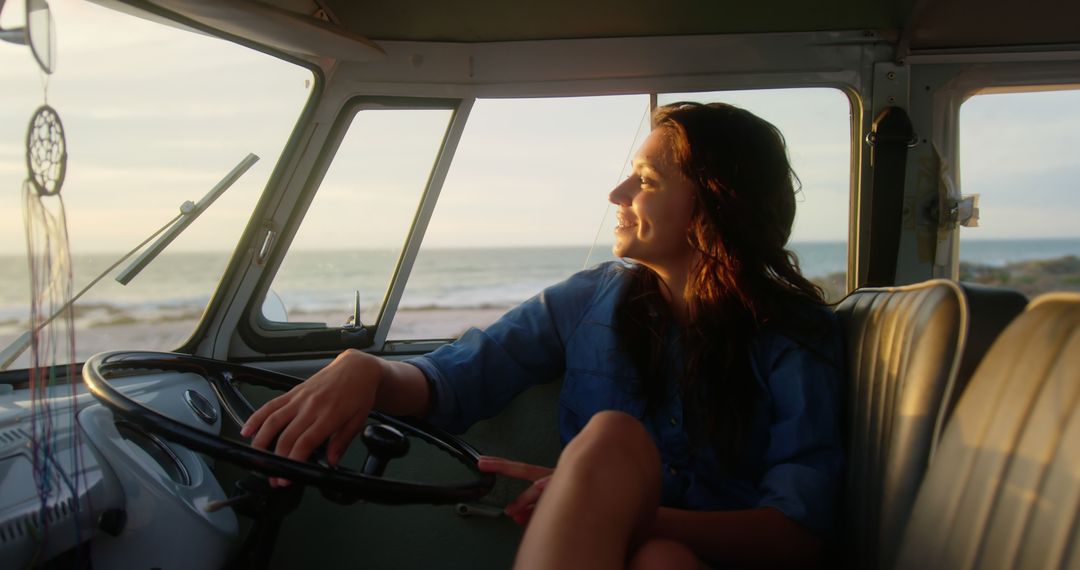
x=477 y=375
x=804 y=461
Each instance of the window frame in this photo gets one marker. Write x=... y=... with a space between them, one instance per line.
x=284 y=339
x=949 y=80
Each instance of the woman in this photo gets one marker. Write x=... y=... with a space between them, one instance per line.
x=700 y=383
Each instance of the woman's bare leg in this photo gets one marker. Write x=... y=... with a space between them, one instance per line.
x=604 y=492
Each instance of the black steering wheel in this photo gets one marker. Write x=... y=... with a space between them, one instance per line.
x=338 y=483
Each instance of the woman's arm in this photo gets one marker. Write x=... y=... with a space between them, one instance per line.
x=756 y=538
x=477 y=375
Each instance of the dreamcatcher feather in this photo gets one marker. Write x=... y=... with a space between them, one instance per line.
x=53 y=373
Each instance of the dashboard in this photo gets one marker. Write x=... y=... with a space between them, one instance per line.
x=139 y=500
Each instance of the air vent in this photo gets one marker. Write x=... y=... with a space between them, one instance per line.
x=25 y=525
x=61 y=511
x=14 y=530
x=13 y=436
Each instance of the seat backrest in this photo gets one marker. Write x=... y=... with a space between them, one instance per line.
x=1003 y=488
x=903 y=351
x=990 y=309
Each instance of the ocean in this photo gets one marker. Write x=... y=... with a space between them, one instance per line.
x=178 y=285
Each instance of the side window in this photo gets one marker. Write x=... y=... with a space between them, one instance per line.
x=353 y=233
x=816 y=124
x=1018 y=151
x=522 y=208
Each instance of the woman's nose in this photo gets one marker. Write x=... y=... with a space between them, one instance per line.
x=622 y=194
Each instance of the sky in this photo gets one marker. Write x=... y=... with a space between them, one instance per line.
x=155 y=116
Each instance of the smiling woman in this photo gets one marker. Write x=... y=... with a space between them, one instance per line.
x=149 y=127
x=654 y=207
x=707 y=340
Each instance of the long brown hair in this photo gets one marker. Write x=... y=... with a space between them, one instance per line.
x=744 y=278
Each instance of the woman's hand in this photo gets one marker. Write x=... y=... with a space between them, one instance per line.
x=521 y=509
x=333 y=403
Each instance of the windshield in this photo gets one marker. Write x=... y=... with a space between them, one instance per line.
x=154 y=116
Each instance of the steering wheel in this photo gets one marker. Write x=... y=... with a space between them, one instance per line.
x=340 y=484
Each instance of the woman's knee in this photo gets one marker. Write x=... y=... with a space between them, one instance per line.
x=616 y=432
x=612 y=466
x=611 y=422
x=614 y=440
x=664 y=553
x=615 y=445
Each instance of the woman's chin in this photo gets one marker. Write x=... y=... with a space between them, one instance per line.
x=623 y=246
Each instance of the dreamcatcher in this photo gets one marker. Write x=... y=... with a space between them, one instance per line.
x=52 y=372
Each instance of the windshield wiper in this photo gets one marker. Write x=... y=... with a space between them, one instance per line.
x=188 y=213
x=173 y=228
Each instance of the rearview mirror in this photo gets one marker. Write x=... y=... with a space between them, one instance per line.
x=39 y=32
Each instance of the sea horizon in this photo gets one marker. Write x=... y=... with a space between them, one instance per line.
x=177 y=285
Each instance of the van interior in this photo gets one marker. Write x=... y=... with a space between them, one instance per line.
x=387 y=129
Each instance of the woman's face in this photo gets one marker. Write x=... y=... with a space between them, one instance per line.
x=655 y=205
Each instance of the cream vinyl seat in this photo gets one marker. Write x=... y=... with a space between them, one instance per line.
x=1003 y=488
x=909 y=352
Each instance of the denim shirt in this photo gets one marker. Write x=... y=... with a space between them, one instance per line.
x=792 y=459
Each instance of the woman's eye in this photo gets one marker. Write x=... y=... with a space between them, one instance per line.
x=644 y=181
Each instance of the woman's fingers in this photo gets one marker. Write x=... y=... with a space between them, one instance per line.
x=256 y=420
x=273 y=424
x=522 y=507
x=512 y=469
x=340 y=440
x=305 y=432
x=295 y=440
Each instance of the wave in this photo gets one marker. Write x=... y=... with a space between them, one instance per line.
x=101 y=314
